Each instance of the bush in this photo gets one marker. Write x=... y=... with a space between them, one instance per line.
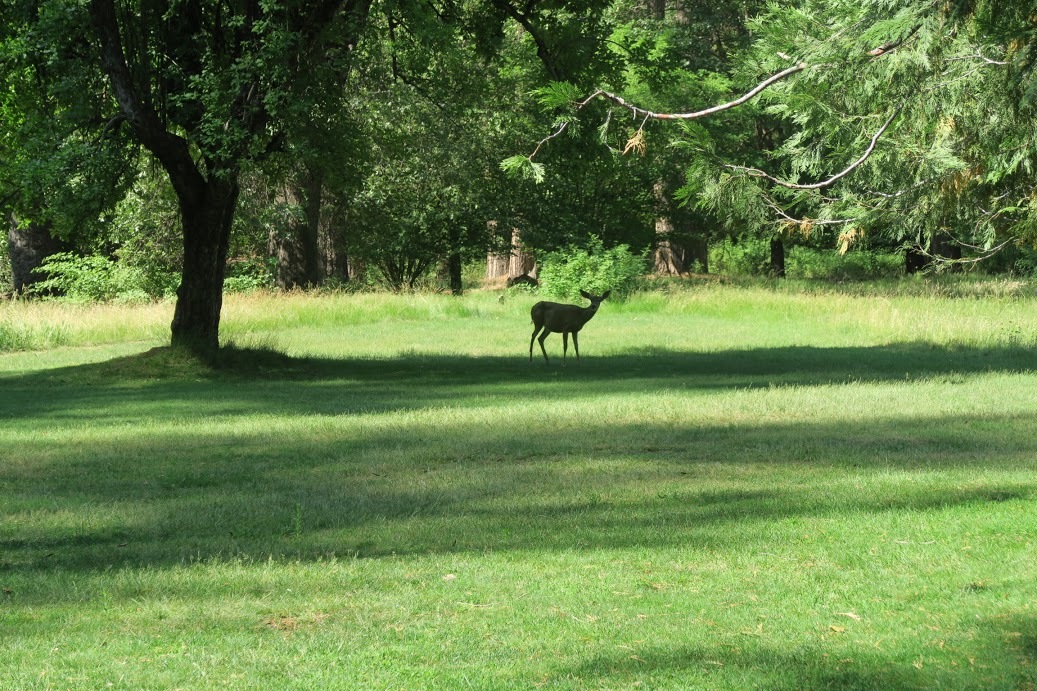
x=90 y=279
x=98 y=279
x=855 y=265
x=752 y=257
x=248 y=275
x=564 y=273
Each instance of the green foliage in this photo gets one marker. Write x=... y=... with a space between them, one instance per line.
x=91 y=279
x=855 y=265
x=250 y=275
x=564 y=273
x=751 y=257
x=523 y=167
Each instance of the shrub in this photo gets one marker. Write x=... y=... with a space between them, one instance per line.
x=564 y=273
x=751 y=257
x=248 y=275
x=855 y=265
x=88 y=279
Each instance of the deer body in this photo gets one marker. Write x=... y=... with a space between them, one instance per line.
x=563 y=319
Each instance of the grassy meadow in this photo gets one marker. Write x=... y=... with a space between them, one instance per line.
x=776 y=486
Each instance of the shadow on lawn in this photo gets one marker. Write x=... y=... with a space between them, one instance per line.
x=750 y=665
x=248 y=382
x=1001 y=653
x=185 y=492
x=184 y=495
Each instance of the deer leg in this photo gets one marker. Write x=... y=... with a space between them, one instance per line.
x=576 y=347
x=533 y=338
x=542 y=348
x=565 y=346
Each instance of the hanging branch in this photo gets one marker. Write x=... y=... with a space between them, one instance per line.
x=987 y=253
x=776 y=208
x=756 y=172
x=650 y=115
x=647 y=115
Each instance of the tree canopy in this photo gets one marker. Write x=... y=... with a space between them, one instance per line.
x=338 y=135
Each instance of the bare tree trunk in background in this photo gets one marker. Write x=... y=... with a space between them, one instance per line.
x=674 y=257
x=522 y=263
x=311 y=187
x=777 y=257
x=27 y=247
x=670 y=259
x=297 y=247
x=497 y=264
x=333 y=245
x=511 y=264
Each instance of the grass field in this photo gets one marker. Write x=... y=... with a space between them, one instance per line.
x=742 y=486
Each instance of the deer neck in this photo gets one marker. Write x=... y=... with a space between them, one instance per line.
x=587 y=313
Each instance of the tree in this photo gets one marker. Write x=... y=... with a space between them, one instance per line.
x=56 y=176
x=205 y=87
x=916 y=123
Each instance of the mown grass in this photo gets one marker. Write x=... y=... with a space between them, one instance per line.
x=741 y=487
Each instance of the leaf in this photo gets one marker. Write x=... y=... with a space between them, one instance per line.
x=521 y=166
x=636 y=143
x=851 y=615
x=556 y=94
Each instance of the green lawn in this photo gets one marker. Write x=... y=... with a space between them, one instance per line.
x=740 y=487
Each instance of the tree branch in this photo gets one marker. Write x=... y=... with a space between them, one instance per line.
x=523 y=19
x=650 y=115
x=171 y=150
x=756 y=172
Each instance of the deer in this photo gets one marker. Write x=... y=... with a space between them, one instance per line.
x=564 y=319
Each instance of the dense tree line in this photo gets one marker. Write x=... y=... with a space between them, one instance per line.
x=333 y=141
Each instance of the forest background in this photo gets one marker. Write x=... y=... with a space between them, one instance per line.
x=163 y=148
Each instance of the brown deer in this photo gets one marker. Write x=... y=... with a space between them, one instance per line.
x=565 y=319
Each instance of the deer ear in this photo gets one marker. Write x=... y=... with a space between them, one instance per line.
x=585 y=294
x=606 y=294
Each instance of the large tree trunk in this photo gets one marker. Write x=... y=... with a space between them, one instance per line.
x=196 y=318
x=27 y=247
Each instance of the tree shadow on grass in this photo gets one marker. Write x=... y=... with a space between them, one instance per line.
x=1002 y=654
x=253 y=381
x=184 y=491
x=760 y=666
x=178 y=495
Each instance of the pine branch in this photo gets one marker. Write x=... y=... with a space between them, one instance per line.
x=756 y=172
x=650 y=115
